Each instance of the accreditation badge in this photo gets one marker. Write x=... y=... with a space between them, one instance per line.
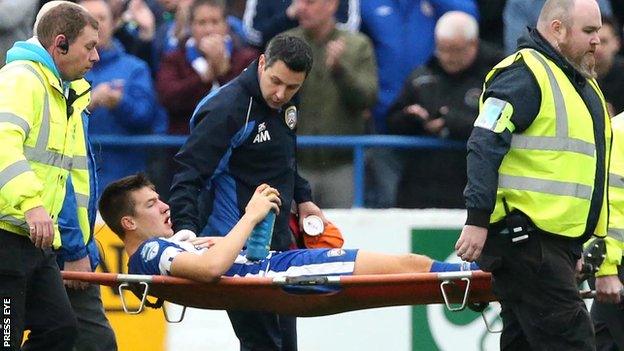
x=290 y=116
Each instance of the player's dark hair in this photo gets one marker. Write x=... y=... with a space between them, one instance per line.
x=116 y=200
x=294 y=52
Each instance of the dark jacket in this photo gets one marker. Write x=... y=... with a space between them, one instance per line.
x=436 y=178
x=486 y=149
x=180 y=88
x=612 y=85
x=402 y=34
x=238 y=143
x=73 y=247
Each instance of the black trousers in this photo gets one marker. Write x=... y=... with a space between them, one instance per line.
x=260 y=331
x=33 y=297
x=535 y=284
x=94 y=330
x=608 y=322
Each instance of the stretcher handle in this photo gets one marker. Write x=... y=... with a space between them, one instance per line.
x=307 y=280
x=126 y=286
x=465 y=298
x=164 y=308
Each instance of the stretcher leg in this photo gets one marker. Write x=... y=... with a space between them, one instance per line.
x=164 y=308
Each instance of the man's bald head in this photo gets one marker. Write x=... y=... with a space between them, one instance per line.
x=560 y=10
x=571 y=27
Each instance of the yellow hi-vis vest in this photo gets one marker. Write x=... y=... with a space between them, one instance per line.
x=615 y=236
x=39 y=141
x=549 y=171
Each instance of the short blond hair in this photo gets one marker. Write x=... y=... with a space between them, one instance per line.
x=62 y=17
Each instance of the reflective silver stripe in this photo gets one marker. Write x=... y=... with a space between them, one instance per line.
x=49 y=158
x=616 y=180
x=545 y=186
x=520 y=141
x=82 y=200
x=617 y=234
x=13 y=170
x=40 y=153
x=14 y=221
x=44 y=130
x=15 y=119
x=560 y=107
x=79 y=162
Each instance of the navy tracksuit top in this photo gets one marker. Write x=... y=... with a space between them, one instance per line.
x=237 y=143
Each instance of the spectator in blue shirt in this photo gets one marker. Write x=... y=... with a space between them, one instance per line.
x=123 y=100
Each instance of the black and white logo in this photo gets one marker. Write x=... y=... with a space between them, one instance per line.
x=262 y=135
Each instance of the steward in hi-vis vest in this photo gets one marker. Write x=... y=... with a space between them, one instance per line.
x=538 y=160
x=615 y=234
x=43 y=140
x=608 y=318
x=42 y=97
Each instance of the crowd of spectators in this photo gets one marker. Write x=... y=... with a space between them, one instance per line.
x=380 y=67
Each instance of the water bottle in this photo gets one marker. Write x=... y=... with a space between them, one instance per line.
x=259 y=241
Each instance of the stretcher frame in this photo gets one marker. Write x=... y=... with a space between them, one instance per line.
x=456 y=290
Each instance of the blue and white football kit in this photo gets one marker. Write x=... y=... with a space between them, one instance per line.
x=154 y=257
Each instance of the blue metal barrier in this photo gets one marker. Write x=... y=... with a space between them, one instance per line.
x=358 y=143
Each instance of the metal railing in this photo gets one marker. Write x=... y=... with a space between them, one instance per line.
x=358 y=143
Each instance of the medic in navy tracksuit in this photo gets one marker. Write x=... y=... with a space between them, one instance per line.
x=239 y=142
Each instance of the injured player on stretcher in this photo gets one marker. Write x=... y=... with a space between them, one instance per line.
x=133 y=210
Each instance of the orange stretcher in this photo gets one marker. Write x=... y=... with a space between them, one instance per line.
x=300 y=296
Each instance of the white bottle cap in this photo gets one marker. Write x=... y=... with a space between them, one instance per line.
x=313 y=225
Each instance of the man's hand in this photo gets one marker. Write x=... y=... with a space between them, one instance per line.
x=418 y=111
x=309 y=208
x=205 y=242
x=182 y=17
x=263 y=200
x=41 y=227
x=183 y=235
x=470 y=242
x=292 y=9
x=81 y=265
x=144 y=18
x=215 y=52
x=609 y=289
x=333 y=53
x=434 y=126
x=107 y=94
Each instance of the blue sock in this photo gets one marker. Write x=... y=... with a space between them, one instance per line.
x=438 y=266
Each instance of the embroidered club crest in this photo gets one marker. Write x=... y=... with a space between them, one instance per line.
x=290 y=116
x=149 y=251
